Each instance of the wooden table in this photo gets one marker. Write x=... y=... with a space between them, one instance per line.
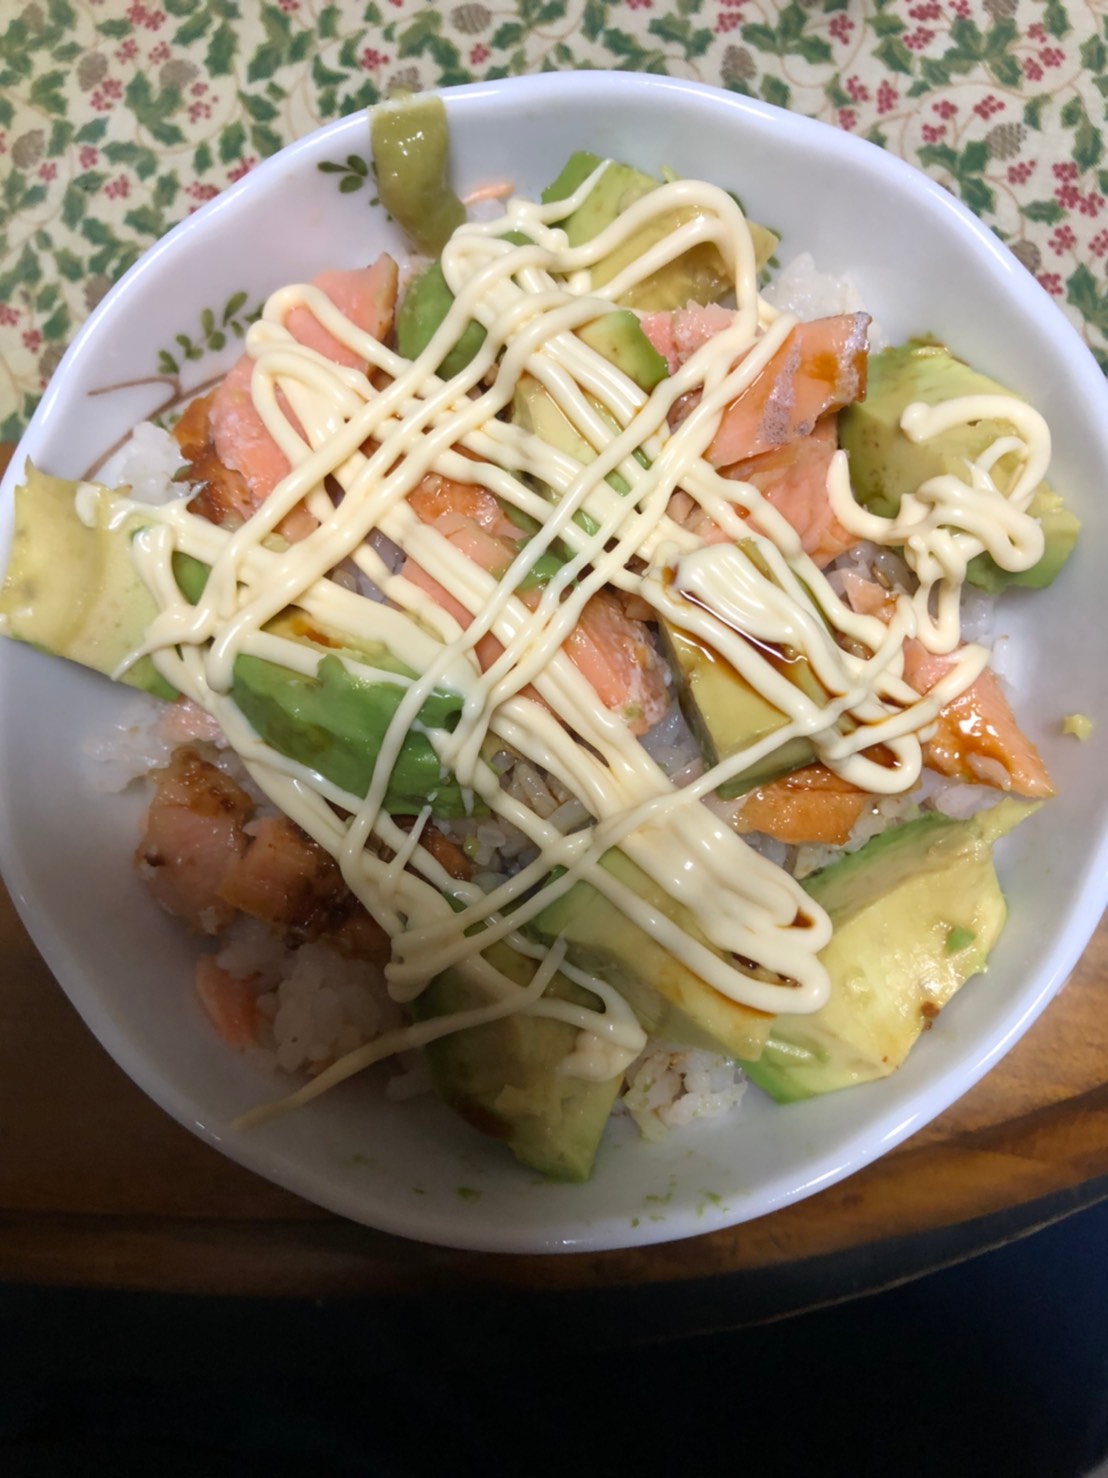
x=100 y=1188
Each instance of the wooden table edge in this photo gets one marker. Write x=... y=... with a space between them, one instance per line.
x=1024 y=1169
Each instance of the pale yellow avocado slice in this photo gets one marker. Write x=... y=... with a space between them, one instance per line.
x=728 y=714
x=536 y=410
x=916 y=912
x=71 y=589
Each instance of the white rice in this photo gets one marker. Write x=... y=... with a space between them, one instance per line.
x=668 y=1087
x=146 y=463
x=132 y=747
x=313 y=1005
x=672 y=745
x=802 y=289
x=871 y=562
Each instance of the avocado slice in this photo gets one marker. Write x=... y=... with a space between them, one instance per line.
x=536 y=410
x=726 y=714
x=884 y=464
x=410 y=143
x=617 y=336
x=700 y=276
x=915 y=912
x=504 y=1077
x=619 y=188
x=1060 y=530
x=335 y=723
x=669 y=1000
x=425 y=303
x=73 y=591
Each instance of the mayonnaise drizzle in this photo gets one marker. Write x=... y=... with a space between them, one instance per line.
x=949 y=520
x=379 y=444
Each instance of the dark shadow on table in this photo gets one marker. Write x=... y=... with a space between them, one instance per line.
x=996 y=1366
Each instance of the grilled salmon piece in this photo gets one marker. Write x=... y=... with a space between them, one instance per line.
x=286 y=880
x=195 y=831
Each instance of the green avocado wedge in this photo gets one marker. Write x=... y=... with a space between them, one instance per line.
x=699 y=276
x=423 y=308
x=916 y=912
x=73 y=591
x=410 y=143
x=335 y=723
x=885 y=464
x=504 y=1077
x=617 y=336
x=727 y=714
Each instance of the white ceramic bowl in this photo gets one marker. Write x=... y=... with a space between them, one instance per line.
x=924 y=264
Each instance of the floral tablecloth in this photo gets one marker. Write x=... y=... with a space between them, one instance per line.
x=117 y=118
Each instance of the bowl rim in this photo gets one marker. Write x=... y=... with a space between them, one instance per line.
x=887 y=1129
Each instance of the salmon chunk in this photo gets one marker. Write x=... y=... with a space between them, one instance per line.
x=223 y=496
x=793 y=479
x=810 y=805
x=195 y=831
x=231 y=1003
x=287 y=880
x=224 y=438
x=977 y=738
x=612 y=650
x=615 y=654
x=679 y=334
x=366 y=295
x=820 y=367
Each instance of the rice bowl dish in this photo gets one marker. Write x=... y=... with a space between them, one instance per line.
x=771 y=1153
